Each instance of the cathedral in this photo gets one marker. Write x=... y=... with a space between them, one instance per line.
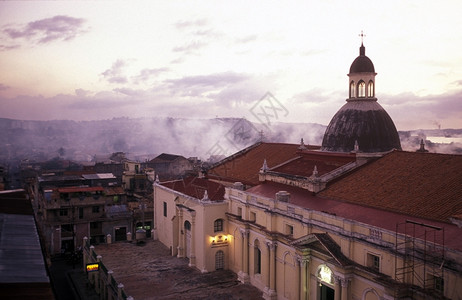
x=353 y=218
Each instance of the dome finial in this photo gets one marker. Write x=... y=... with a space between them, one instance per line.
x=362 y=49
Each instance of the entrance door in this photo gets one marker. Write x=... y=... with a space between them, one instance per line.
x=219 y=260
x=187 y=228
x=121 y=234
x=325 y=292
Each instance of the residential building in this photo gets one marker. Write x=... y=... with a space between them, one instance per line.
x=170 y=166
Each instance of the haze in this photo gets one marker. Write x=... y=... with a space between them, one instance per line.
x=93 y=60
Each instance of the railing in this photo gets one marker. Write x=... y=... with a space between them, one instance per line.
x=104 y=275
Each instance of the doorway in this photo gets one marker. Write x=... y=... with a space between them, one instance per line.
x=219 y=260
x=325 y=292
x=187 y=228
x=120 y=234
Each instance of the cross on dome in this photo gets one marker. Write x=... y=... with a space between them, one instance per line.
x=362 y=35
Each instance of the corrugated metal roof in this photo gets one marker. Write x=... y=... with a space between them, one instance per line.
x=99 y=176
x=21 y=260
x=75 y=189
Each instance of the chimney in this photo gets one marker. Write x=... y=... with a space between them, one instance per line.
x=238 y=186
x=282 y=196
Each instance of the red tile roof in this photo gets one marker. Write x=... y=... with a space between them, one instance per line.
x=364 y=214
x=245 y=165
x=325 y=162
x=423 y=185
x=196 y=187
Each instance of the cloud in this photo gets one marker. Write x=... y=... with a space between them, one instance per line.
x=200 y=85
x=191 y=23
x=57 y=28
x=246 y=39
x=408 y=109
x=190 y=47
x=130 y=92
x=147 y=74
x=115 y=73
x=3 y=87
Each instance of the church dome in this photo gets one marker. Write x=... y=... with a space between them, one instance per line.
x=361 y=124
x=362 y=63
x=364 y=123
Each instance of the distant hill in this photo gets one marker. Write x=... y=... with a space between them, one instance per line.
x=145 y=138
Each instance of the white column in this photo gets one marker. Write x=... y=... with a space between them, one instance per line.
x=336 y=288
x=344 y=283
x=304 y=279
x=271 y=293
x=244 y=273
x=192 y=259
x=181 y=234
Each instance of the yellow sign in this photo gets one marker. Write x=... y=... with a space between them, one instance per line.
x=92 y=267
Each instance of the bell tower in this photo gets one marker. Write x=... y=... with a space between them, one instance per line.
x=362 y=77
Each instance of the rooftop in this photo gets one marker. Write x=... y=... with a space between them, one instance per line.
x=158 y=275
x=165 y=157
x=196 y=187
x=422 y=185
x=361 y=213
x=23 y=272
x=245 y=165
x=324 y=162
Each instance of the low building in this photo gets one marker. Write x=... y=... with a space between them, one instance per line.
x=190 y=219
x=24 y=272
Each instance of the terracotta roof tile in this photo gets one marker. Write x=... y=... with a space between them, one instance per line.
x=424 y=185
x=196 y=187
x=325 y=162
x=352 y=211
x=245 y=165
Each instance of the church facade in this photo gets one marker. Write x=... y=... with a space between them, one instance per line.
x=355 y=218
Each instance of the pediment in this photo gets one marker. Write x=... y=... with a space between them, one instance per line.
x=323 y=243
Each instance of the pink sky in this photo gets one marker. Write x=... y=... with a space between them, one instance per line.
x=98 y=60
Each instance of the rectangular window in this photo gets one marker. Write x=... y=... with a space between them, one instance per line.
x=253 y=216
x=257 y=258
x=95 y=209
x=289 y=229
x=373 y=261
x=165 y=209
x=239 y=211
x=218 y=225
x=80 y=212
x=438 y=284
x=63 y=212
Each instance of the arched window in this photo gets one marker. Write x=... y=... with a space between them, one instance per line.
x=352 y=89
x=218 y=225
x=219 y=260
x=361 y=89
x=325 y=274
x=370 y=89
x=187 y=225
x=257 y=257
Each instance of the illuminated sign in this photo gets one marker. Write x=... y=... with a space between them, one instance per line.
x=92 y=267
x=220 y=239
